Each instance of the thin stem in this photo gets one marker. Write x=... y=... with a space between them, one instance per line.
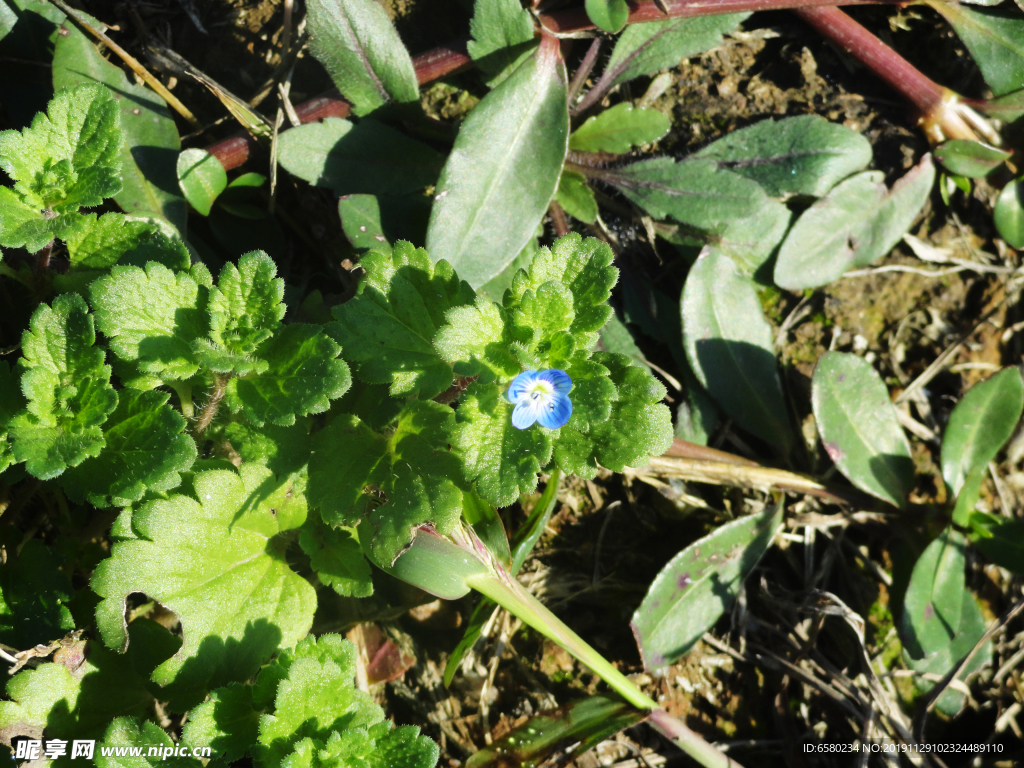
x=511 y=595
x=584 y=70
x=220 y=385
x=183 y=390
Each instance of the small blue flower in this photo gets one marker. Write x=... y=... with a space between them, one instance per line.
x=542 y=397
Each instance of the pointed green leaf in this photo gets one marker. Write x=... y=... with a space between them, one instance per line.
x=970 y=158
x=362 y=52
x=698 y=585
x=503 y=170
x=980 y=425
x=694 y=192
x=859 y=428
x=619 y=129
x=368 y=157
x=804 y=155
x=201 y=178
x=232 y=589
x=69 y=157
x=576 y=197
x=152 y=317
x=388 y=329
x=854 y=225
x=146 y=450
x=502 y=37
x=67 y=386
x=995 y=38
x=151 y=144
x=303 y=375
x=729 y=345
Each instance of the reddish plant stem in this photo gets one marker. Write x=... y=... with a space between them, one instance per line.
x=832 y=24
x=571 y=20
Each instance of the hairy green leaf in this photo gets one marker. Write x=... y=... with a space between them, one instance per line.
x=362 y=52
x=336 y=557
x=152 y=317
x=388 y=330
x=232 y=589
x=227 y=722
x=67 y=386
x=128 y=732
x=100 y=242
x=146 y=450
x=35 y=597
x=475 y=340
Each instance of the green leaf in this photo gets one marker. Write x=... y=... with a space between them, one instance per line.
x=336 y=557
x=502 y=37
x=227 y=722
x=694 y=192
x=576 y=197
x=388 y=329
x=201 y=178
x=995 y=38
x=67 y=386
x=970 y=158
x=751 y=241
x=7 y=20
x=644 y=49
x=804 y=155
x=503 y=461
x=859 y=428
x=1006 y=108
x=609 y=15
x=12 y=402
x=151 y=317
x=145 y=451
x=620 y=128
x=368 y=157
x=69 y=157
x=980 y=425
x=475 y=340
x=245 y=312
x=854 y=225
x=698 y=585
x=151 y=144
x=302 y=376
x=941 y=622
x=347 y=458
x=362 y=52
x=999 y=539
x=729 y=346
x=102 y=241
x=374 y=222
x=503 y=170
x=35 y=596
x=283 y=450
x=236 y=597
x=128 y=732
x=26 y=226
x=1009 y=213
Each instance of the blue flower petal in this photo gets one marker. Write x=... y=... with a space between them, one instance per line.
x=556 y=413
x=559 y=380
x=527 y=412
x=518 y=387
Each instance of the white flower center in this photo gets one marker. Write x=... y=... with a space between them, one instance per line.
x=540 y=388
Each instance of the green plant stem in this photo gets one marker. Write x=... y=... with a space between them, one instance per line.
x=184 y=392
x=220 y=385
x=8 y=272
x=511 y=595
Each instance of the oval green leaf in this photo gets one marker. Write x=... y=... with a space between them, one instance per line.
x=859 y=429
x=854 y=225
x=503 y=170
x=1009 y=213
x=980 y=425
x=202 y=178
x=698 y=585
x=609 y=15
x=729 y=345
x=970 y=158
x=620 y=128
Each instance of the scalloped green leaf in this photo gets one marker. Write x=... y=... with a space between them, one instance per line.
x=388 y=329
x=126 y=733
x=232 y=588
x=34 y=597
x=337 y=558
x=100 y=242
x=859 y=428
x=502 y=37
x=619 y=129
x=67 y=387
x=152 y=317
x=227 y=722
x=146 y=450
